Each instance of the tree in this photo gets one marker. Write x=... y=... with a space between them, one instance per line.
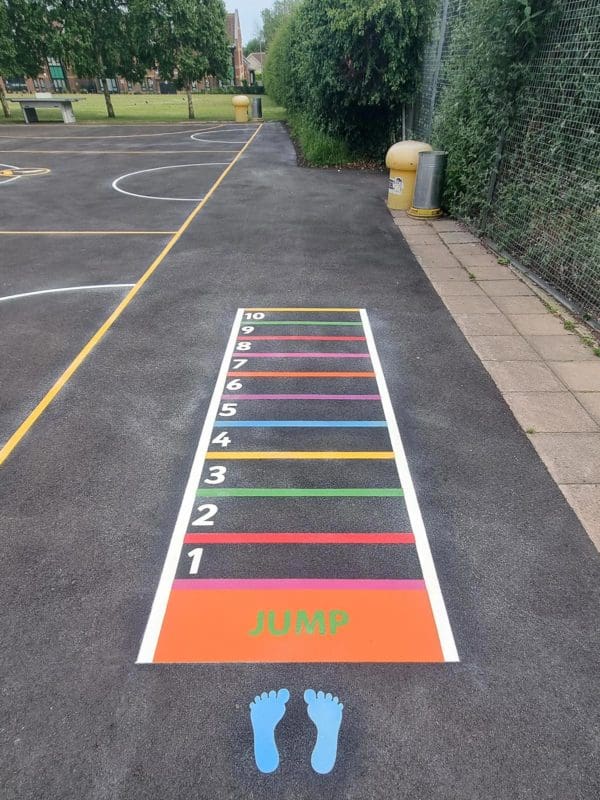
x=274 y=17
x=96 y=38
x=256 y=45
x=185 y=39
x=25 y=36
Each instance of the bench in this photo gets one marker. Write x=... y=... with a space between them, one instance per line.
x=45 y=100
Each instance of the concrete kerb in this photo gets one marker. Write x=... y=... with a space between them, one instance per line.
x=549 y=375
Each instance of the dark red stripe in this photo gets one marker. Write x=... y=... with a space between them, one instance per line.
x=299 y=538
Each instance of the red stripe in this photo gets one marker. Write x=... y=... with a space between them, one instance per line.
x=299 y=538
x=301 y=339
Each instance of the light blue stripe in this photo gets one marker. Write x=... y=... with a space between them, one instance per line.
x=301 y=423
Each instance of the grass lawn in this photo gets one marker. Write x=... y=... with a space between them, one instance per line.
x=148 y=108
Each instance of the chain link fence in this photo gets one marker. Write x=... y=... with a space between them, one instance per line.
x=543 y=200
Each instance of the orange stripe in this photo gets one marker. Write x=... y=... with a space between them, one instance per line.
x=237 y=374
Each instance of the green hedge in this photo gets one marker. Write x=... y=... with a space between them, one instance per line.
x=348 y=66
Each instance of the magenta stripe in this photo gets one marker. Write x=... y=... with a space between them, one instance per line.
x=245 y=354
x=301 y=397
x=230 y=584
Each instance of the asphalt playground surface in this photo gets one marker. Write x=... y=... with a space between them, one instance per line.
x=90 y=493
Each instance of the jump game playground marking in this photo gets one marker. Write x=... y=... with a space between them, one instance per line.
x=299 y=538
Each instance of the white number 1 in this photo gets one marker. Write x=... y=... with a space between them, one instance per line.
x=196 y=556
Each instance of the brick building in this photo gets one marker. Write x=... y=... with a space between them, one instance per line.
x=234 y=32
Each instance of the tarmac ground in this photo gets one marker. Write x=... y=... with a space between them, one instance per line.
x=465 y=650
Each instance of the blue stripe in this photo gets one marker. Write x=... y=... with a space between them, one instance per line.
x=301 y=423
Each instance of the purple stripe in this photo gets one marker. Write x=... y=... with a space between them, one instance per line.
x=301 y=397
x=253 y=584
x=244 y=354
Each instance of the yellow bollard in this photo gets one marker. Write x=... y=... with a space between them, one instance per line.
x=240 y=105
x=402 y=159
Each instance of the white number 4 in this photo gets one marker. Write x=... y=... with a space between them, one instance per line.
x=222 y=439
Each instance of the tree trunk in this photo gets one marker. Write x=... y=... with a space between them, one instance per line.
x=107 y=99
x=4 y=103
x=188 y=91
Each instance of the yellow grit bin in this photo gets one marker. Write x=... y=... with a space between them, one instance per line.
x=402 y=159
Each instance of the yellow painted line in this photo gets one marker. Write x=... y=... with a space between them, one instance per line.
x=246 y=455
x=34 y=415
x=302 y=309
x=116 y=152
x=87 y=233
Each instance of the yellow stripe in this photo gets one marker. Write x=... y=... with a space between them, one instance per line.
x=302 y=309
x=300 y=454
x=99 y=335
x=87 y=233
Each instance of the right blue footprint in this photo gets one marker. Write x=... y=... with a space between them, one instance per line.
x=326 y=712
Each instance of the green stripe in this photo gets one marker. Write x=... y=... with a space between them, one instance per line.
x=298 y=322
x=299 y=493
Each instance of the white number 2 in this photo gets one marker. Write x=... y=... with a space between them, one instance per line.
x=217 y=475
x=207 y=512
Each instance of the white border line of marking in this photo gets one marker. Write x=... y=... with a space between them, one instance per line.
x=156 y=169
x=161 y=598
x=67 y=289
x=436 y=598
x=9 y=180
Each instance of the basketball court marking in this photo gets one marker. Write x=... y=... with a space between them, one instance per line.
x=115 y=135
x=116 y=152
x=66 y=289
x=68 y=373
x=115 y=183
x=198 y=617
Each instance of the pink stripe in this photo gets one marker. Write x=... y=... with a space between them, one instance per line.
x=301 y=397
x=306 y=584
x=244 y=354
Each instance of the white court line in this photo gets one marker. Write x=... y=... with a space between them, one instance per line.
x=67 y=289
x=10 y=180
x=159 y=606
x=115 y=183
x=195 y=136
x=116 y=135
x=430 y=577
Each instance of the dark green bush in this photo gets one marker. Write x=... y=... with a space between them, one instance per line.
x=349 y=66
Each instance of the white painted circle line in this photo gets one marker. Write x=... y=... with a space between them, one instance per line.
x=68 y=289
x=195 y=136
x=10 y=180
x=116 y=187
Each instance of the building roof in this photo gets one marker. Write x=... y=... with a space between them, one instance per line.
x=256 y=61
x=233 y=27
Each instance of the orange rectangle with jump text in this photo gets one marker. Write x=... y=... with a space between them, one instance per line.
x=278 y=621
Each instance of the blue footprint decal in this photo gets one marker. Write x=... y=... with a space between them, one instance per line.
x=326 y=712
x=265 y=713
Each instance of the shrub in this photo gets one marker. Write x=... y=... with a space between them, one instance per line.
x=349 y=66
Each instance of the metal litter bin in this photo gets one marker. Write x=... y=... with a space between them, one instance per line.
x=256 y=108
x=429 y=185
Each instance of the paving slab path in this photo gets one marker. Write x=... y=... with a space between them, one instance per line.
x=90 y=497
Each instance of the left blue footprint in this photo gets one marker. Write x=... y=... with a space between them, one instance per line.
x=266 y=711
